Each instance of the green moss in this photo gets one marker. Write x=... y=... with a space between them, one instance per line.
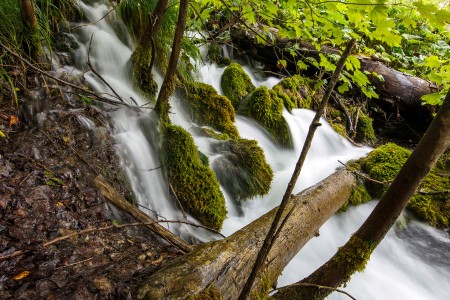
x=385 y=162
x=294 y=91
x=358 y=196
x=264 y=286
x=364 y=130
x=210 y=293
x=354 y=255
x=242 y=169
x=236 y=83
x=268 y=111
x=215 y=54
x=433 y=208
x=210 y=108
x=194 y=184
x=141 y=72
x=339 y=128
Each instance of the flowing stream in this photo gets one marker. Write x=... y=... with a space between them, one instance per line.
x=412 y=262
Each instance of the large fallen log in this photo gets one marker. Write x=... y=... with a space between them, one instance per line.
x=226 y=264
x=399 y=92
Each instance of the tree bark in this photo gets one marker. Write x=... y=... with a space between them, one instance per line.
x=399 y=92
x=30 y=21
x=354 y=254
x=226 y=264
x=168 y=85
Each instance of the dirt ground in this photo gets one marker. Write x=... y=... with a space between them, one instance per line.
x=54 y=146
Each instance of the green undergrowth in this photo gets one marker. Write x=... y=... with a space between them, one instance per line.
x=242 y=169
x=236 y=84
x=294 y=92
x=211 y=109
x=385 y=162
x=141 y=72
x=194 y=184
x=267 y=109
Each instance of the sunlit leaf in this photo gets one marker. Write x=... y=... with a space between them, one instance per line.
x=21 y=275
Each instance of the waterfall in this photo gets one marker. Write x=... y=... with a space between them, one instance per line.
x=412 y=262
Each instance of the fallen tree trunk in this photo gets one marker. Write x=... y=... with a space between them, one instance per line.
x=226 y=264
x=399 y=92
x=115 y=198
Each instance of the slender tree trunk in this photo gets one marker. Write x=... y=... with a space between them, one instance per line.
x=271 y=235
x=30 y=21
x=168 y=85
x=154 y=23
x=354 y=254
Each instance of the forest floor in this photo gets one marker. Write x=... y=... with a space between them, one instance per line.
x=54 y=148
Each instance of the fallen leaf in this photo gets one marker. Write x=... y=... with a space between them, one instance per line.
x=13 y=120
x=21 y=275
x=2 y=135
x=59 y=204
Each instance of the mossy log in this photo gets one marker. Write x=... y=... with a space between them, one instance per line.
x=399 y=92
x=224 y=266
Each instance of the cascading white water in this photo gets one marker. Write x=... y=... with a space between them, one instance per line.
x=399 y=268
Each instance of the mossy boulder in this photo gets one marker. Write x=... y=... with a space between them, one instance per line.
x=211 y=109
x=141 y=73
x=385 y=162
x=364 y=130
x=194 y=184
x=294 y=91
x=216 y=55
x=236 y=83
x=242 y=169
x=267 y=109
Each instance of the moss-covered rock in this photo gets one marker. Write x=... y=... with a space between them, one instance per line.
x=364 y=130
x=141 y=72
x=433 y=208
x=236 y=83
x=211 y=109
x=385 y=162
x=268 y=111
x=294 y=91
x=215 y=54
x=194 y=184
x=242 y=169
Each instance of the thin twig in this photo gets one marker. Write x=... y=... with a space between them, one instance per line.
x=387 y=182
x=97 y=74
x=75 y=263
x=172 y=191
x=318 y=286
x=434 y=192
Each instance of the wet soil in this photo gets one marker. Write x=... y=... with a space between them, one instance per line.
x=48 y=161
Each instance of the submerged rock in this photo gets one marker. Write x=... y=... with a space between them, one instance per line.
x=242 y=169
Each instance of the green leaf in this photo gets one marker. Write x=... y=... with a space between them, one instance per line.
x=433 y=99
x=378 y=14
x=301 y=65
x=432 y=62
x=369 y=92
x=360 y=78
x=343 y=88
x=324 y=62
